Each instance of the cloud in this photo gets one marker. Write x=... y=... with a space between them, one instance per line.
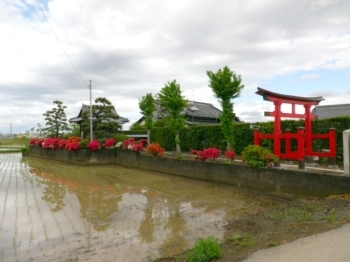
x=130 y=48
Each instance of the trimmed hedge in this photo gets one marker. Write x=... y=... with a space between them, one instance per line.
x=201 y=137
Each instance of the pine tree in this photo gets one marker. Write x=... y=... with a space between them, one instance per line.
x=56 y=121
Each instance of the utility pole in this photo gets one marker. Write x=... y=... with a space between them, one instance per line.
x=91 y=136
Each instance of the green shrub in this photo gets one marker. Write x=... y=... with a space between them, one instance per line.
x=25 y=150
x=257 y=156
x=121 y=137
x=205 y=250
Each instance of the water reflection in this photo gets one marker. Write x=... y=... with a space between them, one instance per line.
x=113 y=213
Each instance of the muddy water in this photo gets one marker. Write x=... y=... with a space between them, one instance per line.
x=52 y=211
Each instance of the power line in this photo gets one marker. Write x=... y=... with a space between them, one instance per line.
x=76 y=70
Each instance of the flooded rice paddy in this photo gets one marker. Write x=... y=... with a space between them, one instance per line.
x=54 y=211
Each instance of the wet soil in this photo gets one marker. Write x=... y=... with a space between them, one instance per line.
x=293 y=217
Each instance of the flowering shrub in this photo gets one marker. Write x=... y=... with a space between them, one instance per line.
x=110 y=143
x=208 y=153
x=257 y=156
x=198 y=154
x=155 y=149
x=62 y=143
x=119 y=145
x=73 y=143
x=230 y=155
x=134 y=145
x=37 y=141
x=94 y=145
x=52 y=143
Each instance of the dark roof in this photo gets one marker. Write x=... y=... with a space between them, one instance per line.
x=202 y=110
x=121 y=120
x=330 y=111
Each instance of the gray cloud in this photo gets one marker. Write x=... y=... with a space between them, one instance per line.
x=130 y=48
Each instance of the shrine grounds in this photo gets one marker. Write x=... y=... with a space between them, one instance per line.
x=55 y=211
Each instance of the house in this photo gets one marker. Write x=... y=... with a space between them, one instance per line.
x=77 y=120
x=330 y=111
x=196 y=113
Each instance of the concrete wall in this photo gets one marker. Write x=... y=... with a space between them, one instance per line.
x=268 y=179
x=82 y=156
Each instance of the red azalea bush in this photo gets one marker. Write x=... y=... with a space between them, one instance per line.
x=230 y=154
x=62 y=143
x=198 y=154
x=109 y=143
x=73 y=143
x=51 y=143
x=37 y=141
x=94 y=145
x=155 y=149
x=134 y=145
x=127 y=144
x=208 y=153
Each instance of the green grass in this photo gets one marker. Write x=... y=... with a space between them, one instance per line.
x=205 y=250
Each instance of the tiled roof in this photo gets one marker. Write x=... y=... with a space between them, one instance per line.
x=121 y=120
x=202 y=110
x=330 y=111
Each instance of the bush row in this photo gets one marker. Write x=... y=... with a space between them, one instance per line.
x=201 y=137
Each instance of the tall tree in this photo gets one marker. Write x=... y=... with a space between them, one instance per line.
x=171 y=98
x=105 y=119
x=56 y=120
x=147 y=107
x=226 y=85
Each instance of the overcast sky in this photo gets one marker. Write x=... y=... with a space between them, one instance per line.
x=130 y=48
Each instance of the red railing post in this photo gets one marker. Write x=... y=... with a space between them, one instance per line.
x=288 y=142
x=332 y=146
x=301 y=143
x=301 y=148
x=257 y=137
x=277 y=133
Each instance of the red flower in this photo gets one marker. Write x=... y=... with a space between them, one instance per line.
x=155 y=149
x=209 y=153
x=94 y=145
x=109 y=143
x=230 y=154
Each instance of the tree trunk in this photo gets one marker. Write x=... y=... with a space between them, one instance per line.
x=177 y=139
x=148 y=136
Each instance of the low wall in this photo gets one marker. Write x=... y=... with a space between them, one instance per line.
x=81 y=156
x=268 y=179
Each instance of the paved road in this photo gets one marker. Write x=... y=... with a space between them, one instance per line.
x=331 y=246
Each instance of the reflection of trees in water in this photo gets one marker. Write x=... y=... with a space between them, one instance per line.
x=164 y=216
x=54 y=194
x=104 y=195
x=146 y=229
x=54 y=191
x=176 y=241
x=103 y=205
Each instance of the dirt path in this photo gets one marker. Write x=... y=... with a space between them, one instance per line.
x=293 y=218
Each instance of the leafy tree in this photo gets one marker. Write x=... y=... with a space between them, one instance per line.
x=171 y=98
x=226 y=85
x=105 y=120
x=147 y=107
x=137 y=126
x=56 y=120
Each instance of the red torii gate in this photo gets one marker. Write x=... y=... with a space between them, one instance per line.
x=304 y=137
